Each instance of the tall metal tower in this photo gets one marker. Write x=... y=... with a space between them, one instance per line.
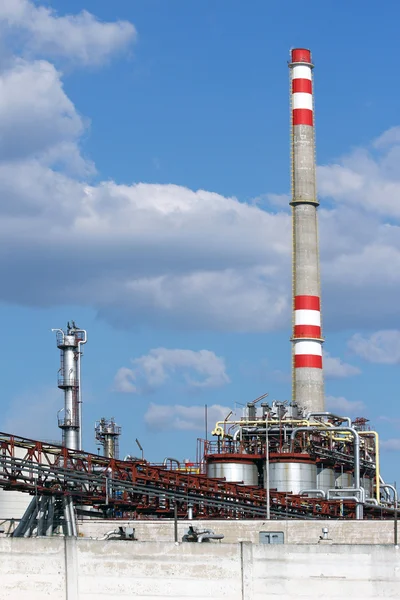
x=308 y=382
x=107 y=433
x=69 y=380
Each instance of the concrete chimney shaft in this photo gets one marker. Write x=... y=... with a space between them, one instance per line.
x=308 y=382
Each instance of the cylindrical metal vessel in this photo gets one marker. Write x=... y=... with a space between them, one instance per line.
x=70 y=383
x=343 y=479
x=236 y=468
x=325 y=477
x=291 y=473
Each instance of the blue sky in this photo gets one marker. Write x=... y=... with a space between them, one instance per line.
x=144 y=173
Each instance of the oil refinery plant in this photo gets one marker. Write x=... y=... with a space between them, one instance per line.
x=279 y=460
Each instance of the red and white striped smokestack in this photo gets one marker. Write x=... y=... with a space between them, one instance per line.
x=308 y=382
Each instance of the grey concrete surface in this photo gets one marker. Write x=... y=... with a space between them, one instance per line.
x=295 y=532
x=308 y=384
x=81 y=569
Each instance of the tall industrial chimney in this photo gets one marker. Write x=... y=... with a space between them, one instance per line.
x=308 y=382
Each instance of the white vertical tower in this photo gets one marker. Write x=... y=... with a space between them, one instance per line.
x=69 y=375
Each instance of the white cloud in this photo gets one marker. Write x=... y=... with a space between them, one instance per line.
x=161 y=417
x=79 y=38
x=391 y=445
x=201 y=369
x=165 y=254
x=367 y=177
x=380 y=347
x=347 y=407
x=37 y=118
x=335 y=368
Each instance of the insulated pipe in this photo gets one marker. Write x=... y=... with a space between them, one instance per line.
x=41 y=516
x=354 y=433
x=335 y=493
x=32 y=519
x=171 y=460
x=50 y=517
x=219 y=429
x=308 y=380
x=20 y=529
x=70 y=504
x=80 y=342
x=328 y=414
x=377 y=462
x=319 y=492
x=391 y=487
x=67 y=518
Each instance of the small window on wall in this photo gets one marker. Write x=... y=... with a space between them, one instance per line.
x=271 y=537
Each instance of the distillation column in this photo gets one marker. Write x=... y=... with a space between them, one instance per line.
x=69 y=418
x=107 y=434
x=308 y=383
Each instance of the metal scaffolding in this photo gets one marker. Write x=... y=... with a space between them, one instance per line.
x=137 y=489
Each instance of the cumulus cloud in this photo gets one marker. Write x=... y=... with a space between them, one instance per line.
x=165 y=254
x=367 y=177
x=161 y=417
x=201 y=369
x=380 y=347
x=335 y=368
x=80 y=38
x=37 y=118
x=391 y=445
x=341 y=404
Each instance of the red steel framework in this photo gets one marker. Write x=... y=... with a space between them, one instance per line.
x=137 y=489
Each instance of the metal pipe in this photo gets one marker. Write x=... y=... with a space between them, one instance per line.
x=171 y=460
x=67 y=517
x=80 y=342
x=267 y=470
x=328 y=414
x=50 y=517
x=20 y=529
x=377 y=461
x=391 y=487
x=354 y=433
x=219 y=429
x=41 y=515
x=176 y=521
x=74 y=531
x=238 y=433
x=335 y=493
x=32 y=519
x=319 y=492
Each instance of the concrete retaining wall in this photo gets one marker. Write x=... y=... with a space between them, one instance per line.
x=71 y=569
x=295 y=532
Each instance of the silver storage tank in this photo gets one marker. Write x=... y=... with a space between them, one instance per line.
x=291 y=473
x=343 y=479
x=236 y=468
x=325 y=477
